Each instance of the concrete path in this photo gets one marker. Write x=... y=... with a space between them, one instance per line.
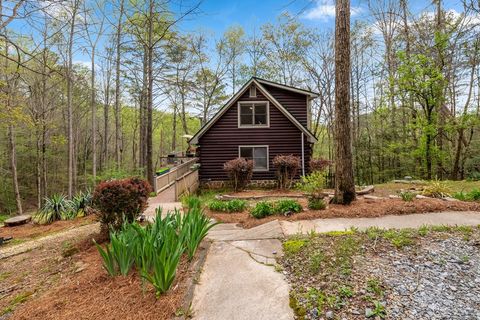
x=239 y=280
x=450 y=218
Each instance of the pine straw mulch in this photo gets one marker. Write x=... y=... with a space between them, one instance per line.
x=360 y=208
x=32 y=230
x=77 y=287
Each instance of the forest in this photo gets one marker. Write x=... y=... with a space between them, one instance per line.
x=146 y=83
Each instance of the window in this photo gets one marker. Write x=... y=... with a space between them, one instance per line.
x=259 y=155
x=253 y=92
x=253 y=114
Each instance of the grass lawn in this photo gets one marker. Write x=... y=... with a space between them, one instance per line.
x=389 y=188
x=394 y=274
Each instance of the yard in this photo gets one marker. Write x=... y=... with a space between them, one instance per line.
x=375 y=204
x=428 y=273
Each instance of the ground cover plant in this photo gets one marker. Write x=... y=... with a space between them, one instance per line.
x=473 y=195
x=155 y=250
x=367 y=274
x=235 y=205
x=263 y=209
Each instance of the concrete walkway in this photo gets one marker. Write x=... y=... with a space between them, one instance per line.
x=239 y=280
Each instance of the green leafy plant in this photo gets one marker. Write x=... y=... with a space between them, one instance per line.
x=194 y=227
x=262 y=209
x=235 y=205
x=108 y=258
x=436 y=189
x=286 y=206
x=474 y=195
x=407 y=196
x=313 y=183
x=55 y=208
x=191 y=201
x=316 y=203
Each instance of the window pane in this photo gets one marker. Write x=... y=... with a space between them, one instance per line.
x=260 y=109
x=246 y=152
x=246 y=109
x=260 y=158
x=246 y=119
x=260 y=119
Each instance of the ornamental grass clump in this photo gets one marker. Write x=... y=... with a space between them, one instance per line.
x=286 y=169
x=239 y=171
x=55 y=208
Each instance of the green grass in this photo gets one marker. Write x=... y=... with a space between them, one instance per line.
x=453 y=186
x=18 y=299
x=3 y=217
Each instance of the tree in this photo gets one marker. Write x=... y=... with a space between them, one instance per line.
x=344 y=180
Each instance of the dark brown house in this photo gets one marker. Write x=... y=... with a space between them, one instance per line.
x=262 y=120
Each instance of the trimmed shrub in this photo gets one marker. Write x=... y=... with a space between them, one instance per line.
x=316 y=203
x=239 y=172
x=262 y=209
x=56 y=207
x=319 y=164
x=235 y=205
x=287 y=206
x=286 y=169
x=120 y=200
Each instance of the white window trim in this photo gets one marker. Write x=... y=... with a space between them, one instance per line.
x=249 y=126
x=258 y=146
x=252 y=92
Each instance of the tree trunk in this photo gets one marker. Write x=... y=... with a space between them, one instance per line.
x=344 y=180
x=149 y=172
x=13 y=165
x=118 y=146
x=94 y=120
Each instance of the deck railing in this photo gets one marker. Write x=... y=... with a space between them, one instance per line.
x=186 y=184
x=168 y=179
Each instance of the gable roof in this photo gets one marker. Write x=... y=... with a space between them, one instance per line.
x=289 y=88
x=231 y=101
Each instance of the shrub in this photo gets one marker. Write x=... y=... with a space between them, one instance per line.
x=80 y=203
x=239 y=172
x=319 y=164
x=286 y=169
x=120 y=200
x=316 y=203
x=313 y=183
x=287 y=206
x=235 y=205
x=55 y=208
x=436 y=189
x=407 y=195
x=262 y=209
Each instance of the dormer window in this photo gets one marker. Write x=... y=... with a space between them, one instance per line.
x=253 y=114
x=253 y=92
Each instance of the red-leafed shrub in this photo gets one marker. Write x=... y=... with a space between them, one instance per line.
x=119 y=200
x=239 y=172
x=319 y=164
x=287 y=167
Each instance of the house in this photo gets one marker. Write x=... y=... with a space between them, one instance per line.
x=262 y=120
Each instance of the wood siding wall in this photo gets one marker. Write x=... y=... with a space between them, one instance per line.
x=295 y=103
x=220 y=143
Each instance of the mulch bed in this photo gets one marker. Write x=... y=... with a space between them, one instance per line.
x=59 y=283
x=360 y=208
x=32 y=230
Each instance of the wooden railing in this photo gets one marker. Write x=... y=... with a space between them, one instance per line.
x=188 y=183
x=168 y=179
